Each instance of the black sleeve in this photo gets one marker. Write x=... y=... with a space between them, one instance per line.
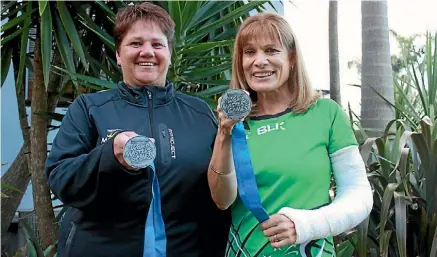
x=75 y=164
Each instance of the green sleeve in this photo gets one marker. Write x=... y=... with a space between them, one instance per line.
x=341 y=134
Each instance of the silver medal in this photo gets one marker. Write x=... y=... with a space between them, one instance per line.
x=139 y=152
x=235 y=104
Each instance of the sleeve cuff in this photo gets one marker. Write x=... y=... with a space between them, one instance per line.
x=108 y=161
x=301 y=223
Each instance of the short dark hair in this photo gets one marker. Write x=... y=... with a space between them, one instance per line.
x=144 y=12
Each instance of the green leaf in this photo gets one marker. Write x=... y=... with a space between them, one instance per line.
x=225 y=20
x=429 y=70
x=345 y=249
x=114 y=77
x=202 y=47
x=12 y=24
x=209 y=9
x=366 y=148
x=42 y=6
x=412 y=110
x=211 y=103
x=385 y=242
x=32 y=241
x=386 y=200
x=5 y=63
x=213 y=90
x=363 y=229
x=110 y=14
x=433 y=251
x=8 y=6
x=13 y=11
x=104 y=84
x=31 y=248
x=46 y=41
x=72 y=33
x=87 y=22
x=176 y=14
x=206 y=72
x=404 y=169
x=220 y=57
x=422 y=93
x=23 y=46
x=8 y=38
x=9 y=187
x=228 y=33
x=64 y=46
x=189 y=12
x=48 y=250
x=401 y=222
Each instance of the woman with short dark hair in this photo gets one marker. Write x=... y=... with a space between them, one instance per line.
x=111 y=212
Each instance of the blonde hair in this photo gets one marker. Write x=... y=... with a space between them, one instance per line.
x=277 y=29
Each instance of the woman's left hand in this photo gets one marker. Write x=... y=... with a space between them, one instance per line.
x=280 y=230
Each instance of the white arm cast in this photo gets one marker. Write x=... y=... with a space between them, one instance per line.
x=351 y=205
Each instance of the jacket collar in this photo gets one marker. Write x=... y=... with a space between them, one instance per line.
x=147 y=95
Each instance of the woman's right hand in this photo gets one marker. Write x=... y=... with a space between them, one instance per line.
x=119 y=143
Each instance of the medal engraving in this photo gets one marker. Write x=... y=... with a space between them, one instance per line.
x=235 y=104
x=139 y=152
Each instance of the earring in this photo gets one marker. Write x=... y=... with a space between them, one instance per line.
x=119 y=65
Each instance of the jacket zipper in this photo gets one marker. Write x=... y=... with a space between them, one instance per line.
x=70 y=239
x=152 y=128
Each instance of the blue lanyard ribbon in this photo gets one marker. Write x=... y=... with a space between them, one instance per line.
x=247 y=187
x=155 y=240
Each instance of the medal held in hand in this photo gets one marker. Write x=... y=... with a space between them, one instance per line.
x=235 y=104
x=139 y=152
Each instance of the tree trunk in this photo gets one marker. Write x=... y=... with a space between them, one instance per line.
x=45 y=218
x=17 y=175
x=376 y=68
x=334 y=73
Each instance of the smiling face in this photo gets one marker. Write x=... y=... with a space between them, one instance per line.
x=144 y=55
x=266 y=65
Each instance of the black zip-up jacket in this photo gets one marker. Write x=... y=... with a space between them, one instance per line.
x=109 y=204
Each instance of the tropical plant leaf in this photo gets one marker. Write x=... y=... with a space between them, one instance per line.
x=46 y=40
x=104 y=84
x=23 y=46
x=48 y=250
x=433 y=251
x=388 y=195
x=9 y=187
x=12 y=36
x=5 y=63
x=225 y=20
x=42 y=4
x=12 y=24
x=345 y=249
x=32 y=241
x=202 y=47
x=110 y=14
x=363 y=230
x=64 y=46
x=87 y=22
x=401 y=222
x=72 y=32
x=206 y=11
x=385 y=243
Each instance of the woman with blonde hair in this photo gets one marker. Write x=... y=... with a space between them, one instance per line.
x=296 y=141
